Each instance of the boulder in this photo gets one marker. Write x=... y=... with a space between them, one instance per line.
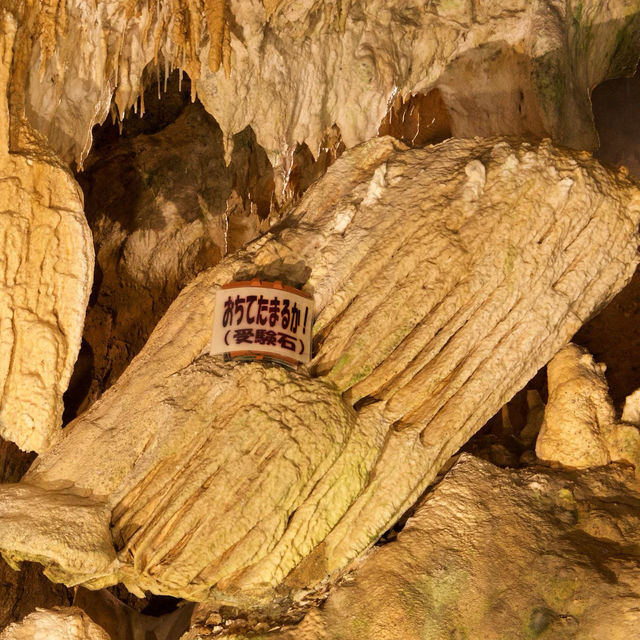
x=443 y=279
x=492 y=553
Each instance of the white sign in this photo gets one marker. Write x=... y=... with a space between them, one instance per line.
x=256 y=319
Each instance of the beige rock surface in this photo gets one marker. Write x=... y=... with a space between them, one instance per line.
x=61 y=623
x=297 y=68
x=22 y=591
x=631 y=410
x=443 y=278
x=46 y=269
x=580 y=427
x=494 y=554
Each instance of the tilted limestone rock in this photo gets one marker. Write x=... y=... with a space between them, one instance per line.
x=61 y=623
x=580 y=428
x=443 y=279
x=298 y=68
x=494 y=553
x=46 y=270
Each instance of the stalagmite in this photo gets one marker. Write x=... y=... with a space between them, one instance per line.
x=580 y=428
x=443 y=279
x=46 y=267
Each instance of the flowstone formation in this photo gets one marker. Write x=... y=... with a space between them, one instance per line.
x=242 y=500
x=298 y=68
x=443 y=279
x=46 y=267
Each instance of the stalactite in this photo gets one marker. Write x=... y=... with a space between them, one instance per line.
x=51 y=23
x=173 y=29
x=215 y=14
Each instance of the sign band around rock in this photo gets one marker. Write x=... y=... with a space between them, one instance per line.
x=256 y=319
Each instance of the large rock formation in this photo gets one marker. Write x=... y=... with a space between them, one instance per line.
x=294 y=69
x=46 y=267
x=492 y=554
x=443 y=278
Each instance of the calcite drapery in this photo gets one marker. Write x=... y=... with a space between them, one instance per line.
x=46 y=269
x=513 y=67
x=444 y=279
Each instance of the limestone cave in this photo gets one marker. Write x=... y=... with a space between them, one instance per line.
x=320 y=320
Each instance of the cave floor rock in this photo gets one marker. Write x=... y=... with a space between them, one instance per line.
x=496 y=554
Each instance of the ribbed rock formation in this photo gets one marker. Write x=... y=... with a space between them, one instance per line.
x=46 y=268
x=443 y=278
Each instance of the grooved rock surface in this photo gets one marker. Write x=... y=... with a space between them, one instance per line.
x=297 y=68
x=61 y=623
x=46 y=268
x=580 y=428
x=443 y=279
x=495 y=554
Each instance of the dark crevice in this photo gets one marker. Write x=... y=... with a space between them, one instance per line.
x=418 y=120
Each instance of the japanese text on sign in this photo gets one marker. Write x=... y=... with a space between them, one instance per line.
x=257 y=318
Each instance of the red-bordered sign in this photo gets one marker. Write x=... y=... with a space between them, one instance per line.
x=255 y=319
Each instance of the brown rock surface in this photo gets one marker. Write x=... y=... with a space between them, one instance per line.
x=444 y=278
x=163 y=207
x=46 y=268
x=495 y=554
x=122 y=622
